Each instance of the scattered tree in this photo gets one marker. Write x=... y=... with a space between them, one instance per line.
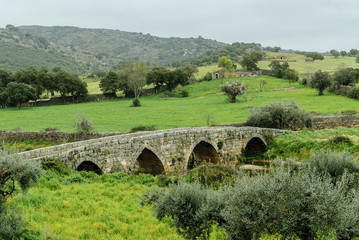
x=250 y=62
x=357 y=59
x=225 y=63
x=232 y=89
x=314 y=55
x=353 y=52
x=158 y=76
x=110 y=84
x=343 y=53
x=320 y=81
x=19 y=93
x=334 y=53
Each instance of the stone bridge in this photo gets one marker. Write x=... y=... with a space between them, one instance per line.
x=163 y=151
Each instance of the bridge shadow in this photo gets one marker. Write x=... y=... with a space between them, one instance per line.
x=203 y=152
x=148 y=162
x=89 y=167
x=255 y=147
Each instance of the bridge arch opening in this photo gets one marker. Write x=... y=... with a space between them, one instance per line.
x=148 y=162
x=202 y=152
x=255 y=147
x=89 y=166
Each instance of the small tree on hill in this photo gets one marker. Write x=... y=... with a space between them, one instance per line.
x=232 y=89
x=250 y=62
x=334 y=53
x=320 y=81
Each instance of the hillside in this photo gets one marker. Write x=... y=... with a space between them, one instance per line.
x=85 y=50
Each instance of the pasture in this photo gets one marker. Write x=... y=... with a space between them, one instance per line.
x=205 y=102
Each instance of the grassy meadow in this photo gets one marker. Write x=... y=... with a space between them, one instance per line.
x=86 y=206
x=204 y=99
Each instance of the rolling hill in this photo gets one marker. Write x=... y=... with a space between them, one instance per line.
x=84 y=50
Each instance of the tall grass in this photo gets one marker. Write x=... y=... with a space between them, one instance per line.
x=95 y=207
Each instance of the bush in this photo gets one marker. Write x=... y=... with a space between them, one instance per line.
x=279 y=115
x=184 y=93
x=183 y=203
x=340 y=140
x=136 y=103
x=11 y=224
x=143 y=128
x=333 y=164
x=209 y=174
x=55 y=165
x=232 y=89
x=83 y=125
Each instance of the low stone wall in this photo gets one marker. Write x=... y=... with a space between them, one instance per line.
x=335 y=121
x=53 y=136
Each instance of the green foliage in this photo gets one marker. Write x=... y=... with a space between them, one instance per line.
x=136 y=103
x=232 y=89
x=209 y=174
x=140 y=128
x=334 y=53
x=19 y=93
x=55 y=165
x=333 y=164
x=226 y=63
x=346 y=76
x=303 y=144
x=314 y=55
x=320 y=81
x=279 y=115
x=83 y=124
x=250 y=62
x=13 y=171
x=184 y=93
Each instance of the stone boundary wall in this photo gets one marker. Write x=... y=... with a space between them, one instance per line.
x=335 y=121
x=53 y=136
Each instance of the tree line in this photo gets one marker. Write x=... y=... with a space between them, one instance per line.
x=31 y=83
x=132 y=76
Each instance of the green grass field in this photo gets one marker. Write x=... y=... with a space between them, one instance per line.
x=204 y=99
x=329 y=64
x=99 y=208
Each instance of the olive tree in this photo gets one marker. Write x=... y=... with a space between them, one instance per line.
x=14 y=171
x=320 y=81
x=232 y=89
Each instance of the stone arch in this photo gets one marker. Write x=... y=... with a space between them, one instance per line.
x=89 y=166
x=202 y=152
x=148 y=162
x=255 y=145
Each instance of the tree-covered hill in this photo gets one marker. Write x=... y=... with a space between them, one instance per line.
x=83 y=50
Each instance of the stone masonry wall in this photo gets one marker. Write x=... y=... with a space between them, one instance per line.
x=335 y=121
x=173 y=147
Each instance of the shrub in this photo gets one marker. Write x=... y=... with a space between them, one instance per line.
x=55 y=165
x=279 y=115
x=182 y=203
x=136 y=103
x=83 y=125
x=340 y=140
x=143 y=128
x=51 y=129
x=184 y=93
x=209 y=174
x=232 y=89
x=14 y=170
x=292 y=205
x=332 y=164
